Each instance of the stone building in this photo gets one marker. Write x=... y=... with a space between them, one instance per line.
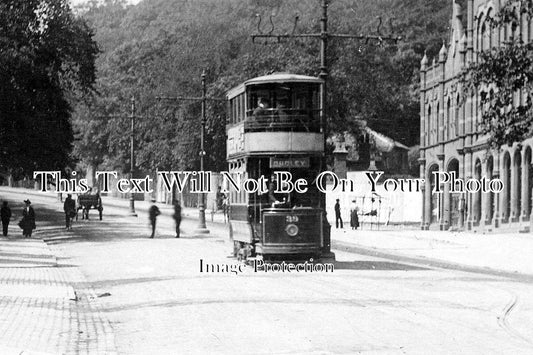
x=451 y=141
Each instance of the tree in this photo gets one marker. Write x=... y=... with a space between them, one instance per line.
x=46 y=64
x=503 y=79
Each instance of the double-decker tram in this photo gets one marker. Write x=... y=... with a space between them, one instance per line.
x=275 y=130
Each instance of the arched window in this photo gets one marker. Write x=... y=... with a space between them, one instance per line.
x=448 y=119
x=529 y=30
x=456 y=116
x=483 y=38
x=505 y=34
x=489 y=30
x=473 y=120
x=437 y=125
x=429 y=126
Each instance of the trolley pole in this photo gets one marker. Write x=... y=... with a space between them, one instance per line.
x=132 y=156
x=201 y=229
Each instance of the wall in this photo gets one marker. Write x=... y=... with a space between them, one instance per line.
x=395 y=207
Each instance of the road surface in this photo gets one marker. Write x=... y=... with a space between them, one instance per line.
x=158 y=301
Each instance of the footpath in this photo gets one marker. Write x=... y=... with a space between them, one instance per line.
x=46 y=304
x=503 y=254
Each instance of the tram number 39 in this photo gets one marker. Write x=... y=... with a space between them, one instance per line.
x=291 y=219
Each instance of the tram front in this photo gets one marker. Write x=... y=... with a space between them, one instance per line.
x=275 y=132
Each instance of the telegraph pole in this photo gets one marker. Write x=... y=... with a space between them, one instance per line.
x=132 y=157
x=201 y=228
x=131 y=117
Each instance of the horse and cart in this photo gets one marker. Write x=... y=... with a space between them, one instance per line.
x=88 y=202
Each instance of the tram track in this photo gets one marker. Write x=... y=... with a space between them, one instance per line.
x=504 y=317
x=412 y=314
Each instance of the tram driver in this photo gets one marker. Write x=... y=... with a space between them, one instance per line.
x=273 y=198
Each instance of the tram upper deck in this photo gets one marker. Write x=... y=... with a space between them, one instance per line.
x=275 y=113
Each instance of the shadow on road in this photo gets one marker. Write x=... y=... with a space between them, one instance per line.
x=374 y=265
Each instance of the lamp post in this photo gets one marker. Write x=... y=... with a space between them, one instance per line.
x=202 y=228
x=132 y=157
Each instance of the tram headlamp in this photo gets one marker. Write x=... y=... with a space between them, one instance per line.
x=291 y=229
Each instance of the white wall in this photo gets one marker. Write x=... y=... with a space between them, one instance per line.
x=396 y=207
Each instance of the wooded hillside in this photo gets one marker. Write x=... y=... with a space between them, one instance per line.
x=160 y=47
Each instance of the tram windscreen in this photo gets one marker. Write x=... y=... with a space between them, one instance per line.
x=311 y=198
x=291 y=96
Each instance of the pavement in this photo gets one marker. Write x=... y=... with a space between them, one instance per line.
x=502 y=254
x=46 y=304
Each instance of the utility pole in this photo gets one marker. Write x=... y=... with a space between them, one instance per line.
x=201 y=228
x=324 y=36
x=132 y=157
x=131 y=117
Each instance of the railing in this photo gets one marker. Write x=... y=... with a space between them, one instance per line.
x=295 y=120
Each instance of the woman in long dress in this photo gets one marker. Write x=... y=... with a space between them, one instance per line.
x=28 y=220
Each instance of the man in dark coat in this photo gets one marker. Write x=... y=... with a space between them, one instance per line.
x=153 y=212
x=69 y=207
x=28 y=220
x=177 y=217
x=338 y=217
x=5 y=213
x=354 y=218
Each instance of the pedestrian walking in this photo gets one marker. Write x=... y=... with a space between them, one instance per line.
x=220 y=198
x=338 y=217
x=354 y=218
x=27 y=222
x=69 y=207
x=177 y=217
x=153 y=212
x=5 y=213
x=225 y=209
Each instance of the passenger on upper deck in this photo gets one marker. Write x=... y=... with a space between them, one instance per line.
x=283 y=117
x=261 y=109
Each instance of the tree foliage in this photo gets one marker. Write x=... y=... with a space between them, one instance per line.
x=46 y=63
x=503 y=79
x=161 y=47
